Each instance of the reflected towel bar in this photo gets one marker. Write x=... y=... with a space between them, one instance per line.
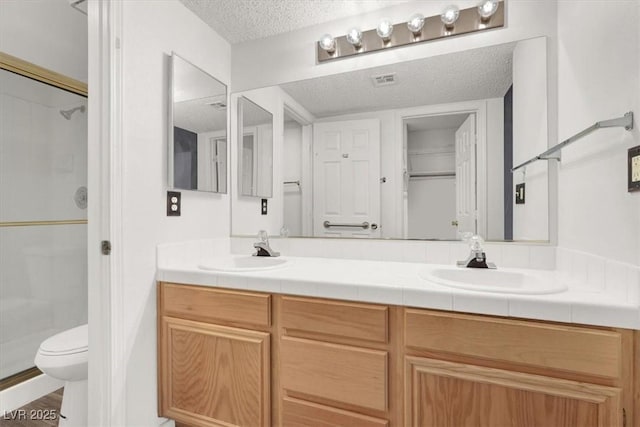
x=328 y=224
x=625 y=121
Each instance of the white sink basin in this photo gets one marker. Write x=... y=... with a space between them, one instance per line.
x=241 y=263
x=507 y=281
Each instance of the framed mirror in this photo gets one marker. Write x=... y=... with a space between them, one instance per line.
x=255 y=149
x=419 y=150
x=197 y=129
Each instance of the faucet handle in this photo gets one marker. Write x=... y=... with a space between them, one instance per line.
x=263 y=236
x=476 y=243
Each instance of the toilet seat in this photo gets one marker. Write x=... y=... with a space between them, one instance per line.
x=72 y=341
x=65 y=356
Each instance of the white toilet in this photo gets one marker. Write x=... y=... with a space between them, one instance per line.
x=65 y=356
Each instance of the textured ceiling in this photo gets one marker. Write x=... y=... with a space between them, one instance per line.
x=464 y=76
x=242 y=20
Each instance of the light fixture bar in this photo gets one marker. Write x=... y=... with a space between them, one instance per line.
x=469 y=21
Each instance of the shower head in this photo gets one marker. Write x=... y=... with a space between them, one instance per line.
x=68 y=113
x=79 y=5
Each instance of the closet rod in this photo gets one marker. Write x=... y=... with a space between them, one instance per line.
x=625 y=121
x=431 y=174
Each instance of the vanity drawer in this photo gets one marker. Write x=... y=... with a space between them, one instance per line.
x=299 y=413
x=215 y=305
x=335 y=372
x=566 y=348
x=322 y=318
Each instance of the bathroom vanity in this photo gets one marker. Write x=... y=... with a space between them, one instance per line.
x=228 y=355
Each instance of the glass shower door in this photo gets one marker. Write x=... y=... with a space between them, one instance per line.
x=43 y=216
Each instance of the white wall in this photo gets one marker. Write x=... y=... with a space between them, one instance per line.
x=599 y=78
x=531 y=219
x=291 y=56
x=48 y=33
x=151 y=30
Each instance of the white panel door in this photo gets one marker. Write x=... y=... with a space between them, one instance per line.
x=466 y=176
x=346 y=178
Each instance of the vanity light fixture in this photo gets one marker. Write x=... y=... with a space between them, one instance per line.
x=354 y=37
x=450 y=16
x=384 y=30
x=486 y=15
x=415 y=24
x=328 y=43
x=487 y=8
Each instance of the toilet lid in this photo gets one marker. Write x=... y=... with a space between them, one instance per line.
x=71 y=341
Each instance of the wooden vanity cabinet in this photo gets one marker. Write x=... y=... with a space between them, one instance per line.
x=337 y=363
x=470 y=370
x=214 y=356
x=237 y=358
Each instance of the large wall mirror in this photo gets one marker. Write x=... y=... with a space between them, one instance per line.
x=197 y=129
x=255 y=149
x=418 y=150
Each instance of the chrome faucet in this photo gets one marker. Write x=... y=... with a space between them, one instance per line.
x=262 y=247
x=477 y=257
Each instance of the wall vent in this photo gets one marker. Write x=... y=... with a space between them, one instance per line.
x=218 y=105
x=384 y=79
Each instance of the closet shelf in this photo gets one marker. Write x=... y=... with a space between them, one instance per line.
x=625 y=121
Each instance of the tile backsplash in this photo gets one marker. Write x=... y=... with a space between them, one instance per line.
x=537 y=256
x=599 y=274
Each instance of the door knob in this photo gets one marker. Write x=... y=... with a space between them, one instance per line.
x=374 y=226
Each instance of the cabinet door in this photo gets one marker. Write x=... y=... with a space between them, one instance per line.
x=213 y=375
x=442 y=394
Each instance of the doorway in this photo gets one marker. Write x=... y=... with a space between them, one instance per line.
x=441 y=177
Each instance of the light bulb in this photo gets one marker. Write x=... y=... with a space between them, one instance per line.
x=328 y=43
x=354 y=37
x=384 y=30
x=487 y=8
x=415 y=24
x=450 y=16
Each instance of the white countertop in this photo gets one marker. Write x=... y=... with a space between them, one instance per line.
x=399 y=283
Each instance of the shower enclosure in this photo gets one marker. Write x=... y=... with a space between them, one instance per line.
x=43 y=215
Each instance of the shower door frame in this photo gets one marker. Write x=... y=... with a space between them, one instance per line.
x=35 y=72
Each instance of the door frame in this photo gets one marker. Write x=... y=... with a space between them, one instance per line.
x=479 y=108
x=305 y=120
x=107 y=332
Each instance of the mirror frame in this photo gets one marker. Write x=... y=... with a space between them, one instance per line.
x=171 y=125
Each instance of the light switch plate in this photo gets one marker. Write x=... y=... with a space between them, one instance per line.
x=634 y=169
x=520 y=194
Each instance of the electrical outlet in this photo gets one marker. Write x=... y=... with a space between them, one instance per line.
x=263 y=208
x=520 y=194
x=634 y=169
x=173 y=203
